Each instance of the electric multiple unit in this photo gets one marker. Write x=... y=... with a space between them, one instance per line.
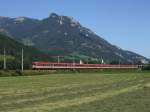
x=61 y=65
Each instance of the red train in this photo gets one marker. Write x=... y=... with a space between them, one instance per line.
x=55 y=65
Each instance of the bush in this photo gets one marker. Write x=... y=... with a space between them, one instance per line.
x=146 y=67
x=4 y=73
x=7 y=73
x=18 y=73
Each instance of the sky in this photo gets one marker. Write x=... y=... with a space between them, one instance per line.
x=125 y=23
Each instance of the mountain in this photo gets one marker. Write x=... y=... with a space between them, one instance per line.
x=15 y=27
x=13 y=53
x=64 y=36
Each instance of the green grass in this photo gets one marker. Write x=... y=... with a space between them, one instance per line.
x=76 y=92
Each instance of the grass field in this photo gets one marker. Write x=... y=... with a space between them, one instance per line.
x=76 y=92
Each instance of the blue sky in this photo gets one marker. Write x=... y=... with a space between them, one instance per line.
x=125 y=23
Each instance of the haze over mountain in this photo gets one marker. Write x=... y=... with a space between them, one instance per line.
x=63 y=35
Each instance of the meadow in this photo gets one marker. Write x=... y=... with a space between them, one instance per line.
x=76 y=92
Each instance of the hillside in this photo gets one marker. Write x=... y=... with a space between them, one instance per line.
x=64 y=36
x=13 y=52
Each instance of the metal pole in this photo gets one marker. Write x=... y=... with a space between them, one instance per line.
x=4 y=59
x=87 y=61
x=119 y=63
x=102 y=61
x=73 y=62
x=58 y=59
x=22 y=67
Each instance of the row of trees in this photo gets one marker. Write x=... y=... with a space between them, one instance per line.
x=24 y=62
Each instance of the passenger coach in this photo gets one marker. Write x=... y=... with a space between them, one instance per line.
x=55 y=65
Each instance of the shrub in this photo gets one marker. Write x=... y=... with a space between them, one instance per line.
x=146 y=67
x=18 y=73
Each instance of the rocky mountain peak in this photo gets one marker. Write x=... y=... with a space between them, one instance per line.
x=53 y=15
x=63 y=35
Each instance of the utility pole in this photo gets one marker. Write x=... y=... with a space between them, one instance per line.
x=119 y=63
x=73 y=60
x=58 y=59
x=73 y=63
x=4 y=59
x=22 y=60
x=102 y=61
x=87 y=61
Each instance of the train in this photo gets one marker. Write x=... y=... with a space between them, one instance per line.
x=44 y=65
